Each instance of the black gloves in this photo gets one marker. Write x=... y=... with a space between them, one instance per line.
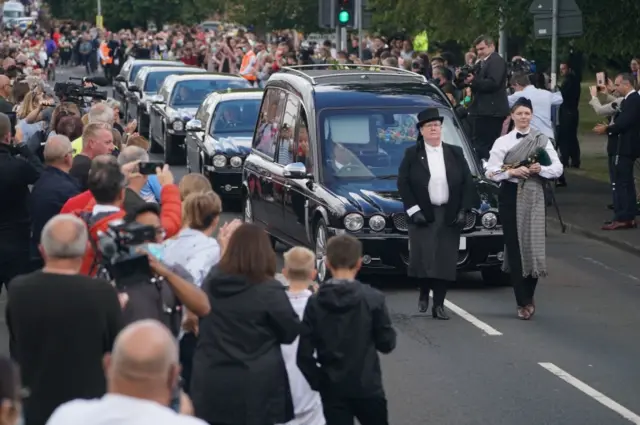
x=461 y=221
x=418 y=219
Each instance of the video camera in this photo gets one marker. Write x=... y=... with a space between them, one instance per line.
x=76 y=93
x=519 y=66
x=119 y=261
x=465 y=71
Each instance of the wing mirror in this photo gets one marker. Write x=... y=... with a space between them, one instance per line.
x=194 y=125
x=120 y=79
x=296 y=171
x=134 y=88
x=156 y=98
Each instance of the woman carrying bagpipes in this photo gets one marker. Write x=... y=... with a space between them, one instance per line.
x=521 y=161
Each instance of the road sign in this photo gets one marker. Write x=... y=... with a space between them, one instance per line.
x=569 y=25
x=546 y=7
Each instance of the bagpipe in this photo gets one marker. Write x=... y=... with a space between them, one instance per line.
x=540 y=156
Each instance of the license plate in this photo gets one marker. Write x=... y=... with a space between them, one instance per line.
x=461 y=247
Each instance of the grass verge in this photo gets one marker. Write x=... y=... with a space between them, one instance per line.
x=592 y=166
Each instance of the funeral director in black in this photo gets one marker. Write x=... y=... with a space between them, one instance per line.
x=522 y=160
x=436 y=187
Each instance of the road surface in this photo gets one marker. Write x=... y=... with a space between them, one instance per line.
x=576 y=362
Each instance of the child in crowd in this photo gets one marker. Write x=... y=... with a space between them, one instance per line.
x=345 y=324
x=299 y=272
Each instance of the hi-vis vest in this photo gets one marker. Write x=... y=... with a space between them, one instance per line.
x=246 y=61
x=104 y=50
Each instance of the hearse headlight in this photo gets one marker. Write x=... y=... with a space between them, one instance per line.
x=377 y=223
x=219 y=161
x=178 y=125
x=235 y=161
x=353 y=222
x=489 y=220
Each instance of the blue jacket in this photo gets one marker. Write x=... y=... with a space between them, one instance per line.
x=49 y=194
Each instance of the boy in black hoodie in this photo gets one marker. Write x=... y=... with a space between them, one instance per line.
x=345 y=324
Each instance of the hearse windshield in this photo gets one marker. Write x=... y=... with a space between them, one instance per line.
x=370 y=142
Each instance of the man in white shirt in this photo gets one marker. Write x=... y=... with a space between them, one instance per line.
x=142 y=378
x=542 y=101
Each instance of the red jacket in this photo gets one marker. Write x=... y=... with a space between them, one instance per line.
x=170 y=213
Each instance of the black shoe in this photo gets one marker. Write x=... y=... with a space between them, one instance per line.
x=439 y=313
x=423 y=305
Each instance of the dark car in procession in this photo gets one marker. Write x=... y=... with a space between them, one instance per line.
x=176 y=103
x=128 y=74
x=147 y=84
x=325 y=159
x=219 y=138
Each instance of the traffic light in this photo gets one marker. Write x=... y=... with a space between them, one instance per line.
x=345 y=13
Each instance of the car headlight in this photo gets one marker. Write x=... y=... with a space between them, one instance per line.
x=489 y=220
x=178 y=125
x=377 y=223
x=353 y=222
x=235 y=161
x=219 y=161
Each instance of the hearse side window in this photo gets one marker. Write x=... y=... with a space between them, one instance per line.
x=286 y=141
x=269 y=125
x=164 y=92
x=303 y=152
x=202 y=113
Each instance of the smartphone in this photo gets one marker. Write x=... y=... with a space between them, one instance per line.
x=601 y=79
x=148 y=168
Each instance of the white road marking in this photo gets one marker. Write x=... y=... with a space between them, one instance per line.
x=592 y=392
x=471 y=319
x=610 y=269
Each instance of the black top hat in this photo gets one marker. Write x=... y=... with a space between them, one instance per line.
x=428 y=115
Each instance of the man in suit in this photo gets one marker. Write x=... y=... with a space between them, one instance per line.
x=489 y=106
x=569 y=117
x=623 y=150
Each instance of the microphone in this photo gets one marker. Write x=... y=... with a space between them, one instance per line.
x=614 y=105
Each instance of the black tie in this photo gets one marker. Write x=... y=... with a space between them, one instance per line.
x=520 y=135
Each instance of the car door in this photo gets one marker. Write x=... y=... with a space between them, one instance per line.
x=266 y=209
x=195 y=140
x=298 y=191
x=155 y=115
x=285 y=155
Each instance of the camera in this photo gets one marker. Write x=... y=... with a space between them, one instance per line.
x=76 y=93
x=118 y=259
x=519 y=66
x=465 y=71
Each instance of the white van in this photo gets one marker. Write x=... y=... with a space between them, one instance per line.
x=12 y=10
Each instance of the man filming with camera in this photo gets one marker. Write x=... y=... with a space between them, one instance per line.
x=19 y=168
x=489 y=106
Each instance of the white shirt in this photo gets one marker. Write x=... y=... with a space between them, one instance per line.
x=504 y=144
x=115 y=409
x=542 y=101
x=438 y=184
x=99 y=209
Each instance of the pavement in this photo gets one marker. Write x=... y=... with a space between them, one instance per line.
x=576 y=362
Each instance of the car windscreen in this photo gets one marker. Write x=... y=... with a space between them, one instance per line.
x=12 y=14
x=155 y=79
x=190 y=94
x=370 y=143
x=235 y=118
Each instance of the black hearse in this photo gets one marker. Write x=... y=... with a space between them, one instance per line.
x=325 y=158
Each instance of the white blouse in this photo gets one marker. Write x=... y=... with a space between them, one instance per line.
x=504 y=144
x=438 y=184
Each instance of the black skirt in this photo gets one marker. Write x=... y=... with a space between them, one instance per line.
x=433 y=250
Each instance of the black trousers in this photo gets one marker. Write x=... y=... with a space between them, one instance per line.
x=439 y=288
x=485 y=131
x=368 y=411
x=568 y=137
x=523 y=287
x=187 y=350
x=623 y=188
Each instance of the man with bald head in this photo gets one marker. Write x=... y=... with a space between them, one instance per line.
x=73 y=321
x=54 y=188
x=5 y=94
x=142 y=377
